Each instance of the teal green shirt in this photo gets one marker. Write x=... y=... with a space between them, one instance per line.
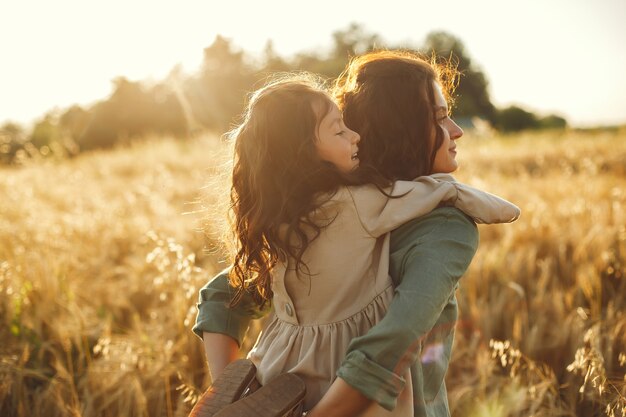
x=428 y=255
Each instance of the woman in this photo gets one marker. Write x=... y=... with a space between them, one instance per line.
x=394 y=101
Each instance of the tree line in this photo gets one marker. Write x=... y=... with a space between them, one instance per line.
x=211 y=99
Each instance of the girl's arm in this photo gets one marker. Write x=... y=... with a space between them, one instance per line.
x=380 y=214
x=221 y=327
x=220 y=351
x=428 y=256
x=481 y=206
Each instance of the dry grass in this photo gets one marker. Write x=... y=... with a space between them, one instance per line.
x=546 y=296
x=101 y=259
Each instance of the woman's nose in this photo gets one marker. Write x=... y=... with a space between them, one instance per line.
x=356 y=138
x=455 y=131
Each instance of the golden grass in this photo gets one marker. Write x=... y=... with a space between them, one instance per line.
x=551 y=285
x=101 y=260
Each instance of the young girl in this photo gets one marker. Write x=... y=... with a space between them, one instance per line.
x=313 y=240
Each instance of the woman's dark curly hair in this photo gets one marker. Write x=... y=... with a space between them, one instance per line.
x=388 y=97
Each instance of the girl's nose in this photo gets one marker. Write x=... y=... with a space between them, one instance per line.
x=356 y=138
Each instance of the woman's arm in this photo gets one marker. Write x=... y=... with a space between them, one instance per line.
x=341 y=400
x=428 y=256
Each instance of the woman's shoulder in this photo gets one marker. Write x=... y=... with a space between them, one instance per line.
x=447 y=214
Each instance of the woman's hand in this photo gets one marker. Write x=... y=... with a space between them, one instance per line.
x=341 y=400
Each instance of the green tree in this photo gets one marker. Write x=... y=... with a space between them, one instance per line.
x=272 y=62
x=45 y=132
x=217 y=94
x=514 y=119
x=472 y=93
x=74 y=121
x=132 y=111
x=353 y=40
x=12 y=139
x=552 y=121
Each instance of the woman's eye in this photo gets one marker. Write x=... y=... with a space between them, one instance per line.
x=341 y=133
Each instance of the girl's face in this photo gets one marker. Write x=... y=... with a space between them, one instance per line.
x=445 y=159
x=335 y=142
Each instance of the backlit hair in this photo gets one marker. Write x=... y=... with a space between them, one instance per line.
x=388 y=97
x=278 y=179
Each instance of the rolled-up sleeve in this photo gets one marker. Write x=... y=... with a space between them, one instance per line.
x=427 y=257
x=215 y=315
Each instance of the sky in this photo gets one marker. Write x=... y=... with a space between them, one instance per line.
x=549 y=56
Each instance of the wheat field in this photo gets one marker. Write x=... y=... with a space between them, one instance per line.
x=102 y=255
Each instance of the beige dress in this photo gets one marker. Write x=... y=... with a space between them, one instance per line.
x=315 y=317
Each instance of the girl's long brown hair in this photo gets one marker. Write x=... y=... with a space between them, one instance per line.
x=278 y=180
x=388 y=98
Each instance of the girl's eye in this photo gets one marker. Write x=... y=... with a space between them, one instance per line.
x=342 y=132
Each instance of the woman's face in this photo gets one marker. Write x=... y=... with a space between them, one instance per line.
x=445 y=159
